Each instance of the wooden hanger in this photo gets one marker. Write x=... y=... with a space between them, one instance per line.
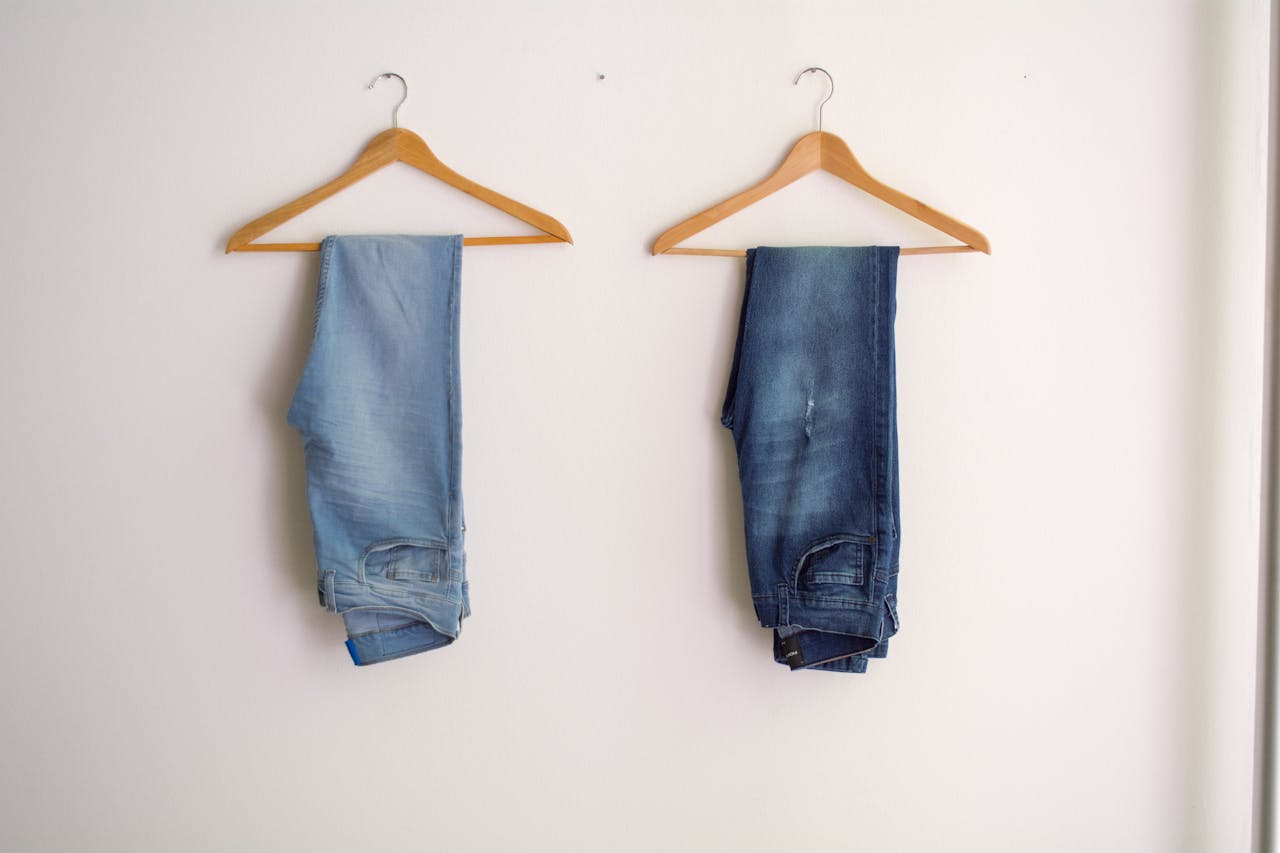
x=826 y=151
x=396 y=145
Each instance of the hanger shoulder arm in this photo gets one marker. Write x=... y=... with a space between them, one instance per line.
x=839 y=161
x=523 y=212
x=948 y=225
x=255 y=229
x=803 y=158
x=418 y=155
x=699 y=221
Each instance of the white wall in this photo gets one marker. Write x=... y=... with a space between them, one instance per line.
x=1079 y=429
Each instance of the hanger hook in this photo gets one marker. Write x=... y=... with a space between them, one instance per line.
x=831 y=91
x=396 y=110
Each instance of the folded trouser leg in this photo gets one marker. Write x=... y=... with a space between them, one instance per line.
x=378 y=408
x=812 y=404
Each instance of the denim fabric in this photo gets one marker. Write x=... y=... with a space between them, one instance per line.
x=811 y=401
x=378 y=408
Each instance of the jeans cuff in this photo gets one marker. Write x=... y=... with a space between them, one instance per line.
x=379 y=646
x=805 y=649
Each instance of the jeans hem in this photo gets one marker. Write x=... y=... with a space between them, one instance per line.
x=831 y=637
x=379 y=646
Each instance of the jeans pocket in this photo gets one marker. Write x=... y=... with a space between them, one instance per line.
x=838 y=567
x=401 y=560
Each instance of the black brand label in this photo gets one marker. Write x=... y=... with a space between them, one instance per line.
x=791 y=652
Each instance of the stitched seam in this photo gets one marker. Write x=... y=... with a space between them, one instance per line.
x=858 y=604
x=832 y=599
x=392 y=592
x=854 y=579
x=876 y=454
x=398 y=574
x=322 y=288
x=729 y=410
x=831 y=542
x=421 y=617
x=455 y=436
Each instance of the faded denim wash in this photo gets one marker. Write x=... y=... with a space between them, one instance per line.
x=379 y=410
x=811 y=401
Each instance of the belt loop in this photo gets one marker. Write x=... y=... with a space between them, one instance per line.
x=327 y=599
x=784 y=605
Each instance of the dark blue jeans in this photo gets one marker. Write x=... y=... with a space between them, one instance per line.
x=812 y=405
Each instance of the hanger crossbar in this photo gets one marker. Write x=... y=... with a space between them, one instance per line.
x=466 y=241
x=742 y=253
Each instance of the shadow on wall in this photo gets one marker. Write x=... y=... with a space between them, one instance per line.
x=733 y=568
x=723 y=471
x=287 y=485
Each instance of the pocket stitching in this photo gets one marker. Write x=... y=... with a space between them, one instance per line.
x=859 y=576
x=389 y=544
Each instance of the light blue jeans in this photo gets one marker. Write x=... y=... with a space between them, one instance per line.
x=378 y=408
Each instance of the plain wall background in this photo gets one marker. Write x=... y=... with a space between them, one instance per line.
x=1079 y=428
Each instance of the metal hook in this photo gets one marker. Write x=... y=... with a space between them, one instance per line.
x=830 y=92
x=396 y=109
